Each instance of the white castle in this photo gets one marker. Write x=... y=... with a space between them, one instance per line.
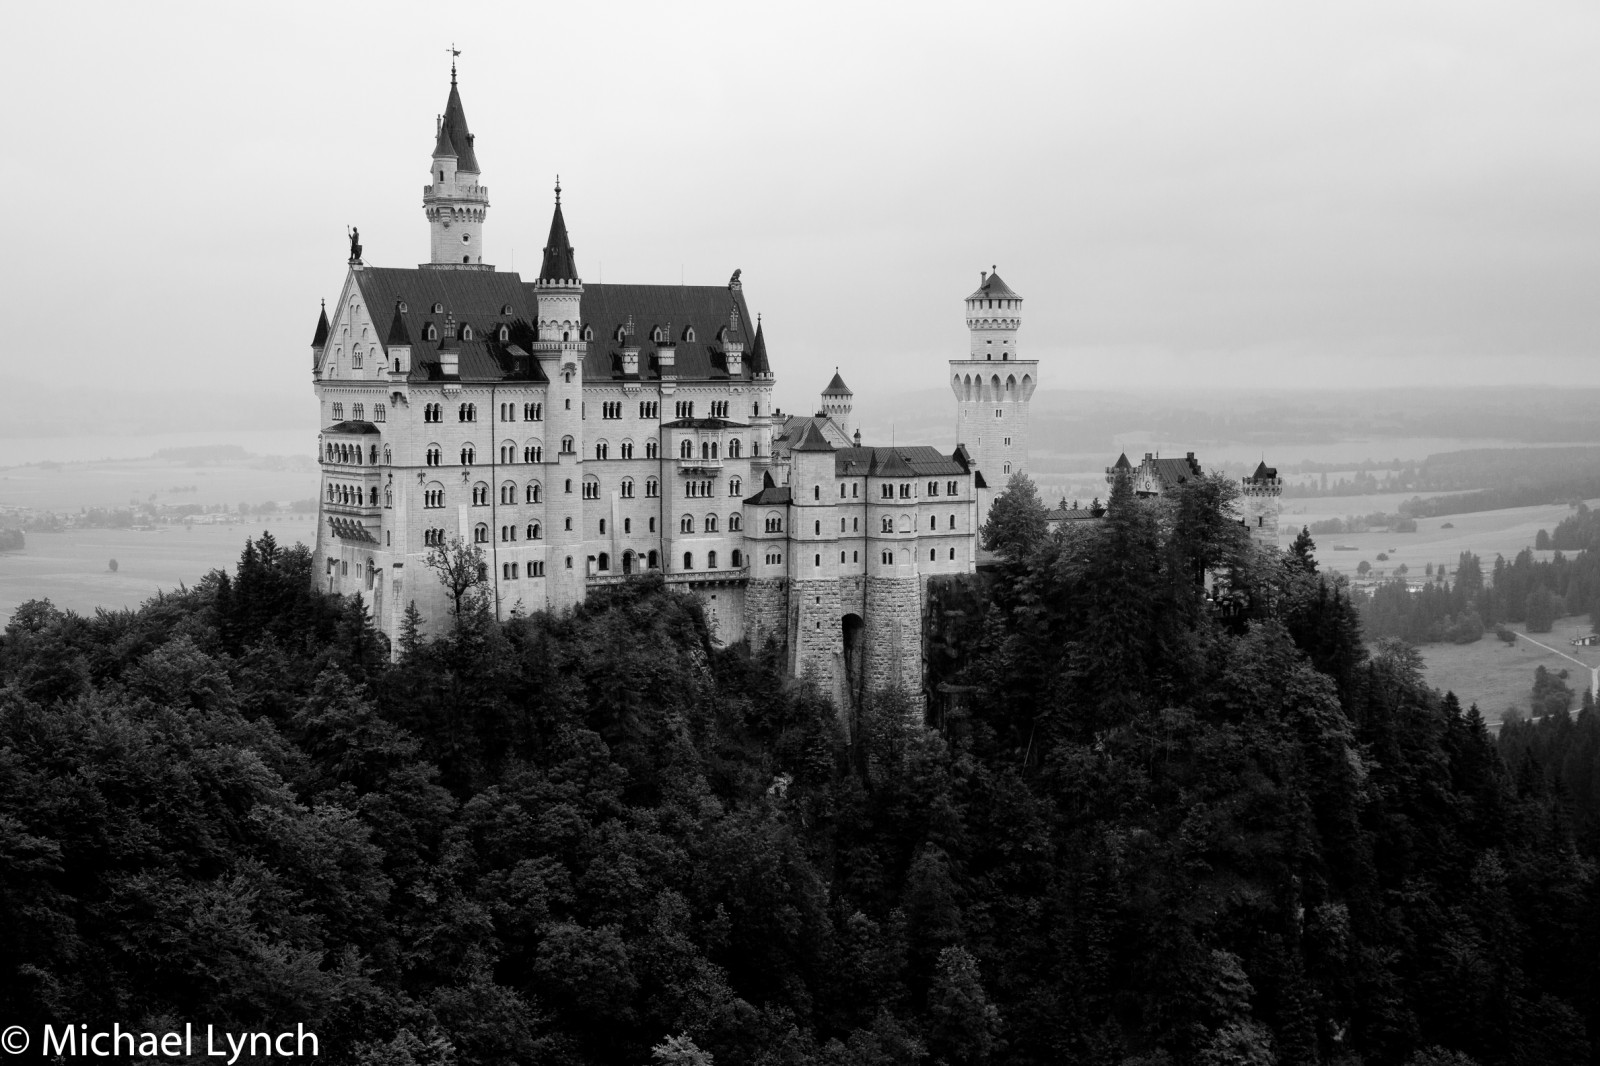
x=582 y=433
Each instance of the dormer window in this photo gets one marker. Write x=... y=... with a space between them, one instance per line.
x=403 y=307
x=438 y=309
x=505 y=334
x=658 y=335
x=588 y=333
x=688 y=334
x=506 y=310
x=466 y=333
x=431 y=333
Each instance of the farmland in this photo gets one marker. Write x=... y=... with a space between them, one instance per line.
x=1495 y=675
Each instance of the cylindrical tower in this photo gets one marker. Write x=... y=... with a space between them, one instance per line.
x=453 y=199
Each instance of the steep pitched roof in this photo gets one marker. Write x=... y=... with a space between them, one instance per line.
x=559 y=261
x=811 y=440
x=398 y=334
x=320 y=337
x=351 y=425
x=758 y=350
x=993 y=288
x=1122 y=463
x=1264 y=472
x=489 y=299
x=453 y=131
x=837 y=387
x=772 y=495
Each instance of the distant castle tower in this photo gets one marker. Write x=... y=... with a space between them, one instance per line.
x=1260 y=499
x=837 y=403
x=992 y=400
x=453 y=200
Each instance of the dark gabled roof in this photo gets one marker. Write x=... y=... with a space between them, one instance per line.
x=837 y=387
x=911 y=461
x=962 y=458
x=351 y=425
x=978 y=481
x=1122 y=463
x=772 y=495
x=704 y=423
x=320 y=337
x=482 y=298
x=1264 y=472
x=1072 y=514
x=560 y=262
x=993 y=288
x=1175 y=471
x=398 y=333
x=705 y=307
x=811 y=440
x=453 y=131
x=758 y=350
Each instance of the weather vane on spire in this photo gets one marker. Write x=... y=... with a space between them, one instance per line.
x=454 y=51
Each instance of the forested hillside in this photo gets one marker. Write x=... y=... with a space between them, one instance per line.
x=1172 y=813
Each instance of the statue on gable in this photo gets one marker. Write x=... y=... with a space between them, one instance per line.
x=355 y=244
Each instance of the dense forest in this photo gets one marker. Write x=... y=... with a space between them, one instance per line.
x=1171 y=811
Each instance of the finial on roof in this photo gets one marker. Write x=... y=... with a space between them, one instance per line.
x=558 y=190
x=454 y=51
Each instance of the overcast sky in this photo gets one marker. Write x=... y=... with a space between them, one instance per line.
x=1185 y=194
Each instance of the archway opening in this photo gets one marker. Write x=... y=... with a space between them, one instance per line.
x=854 y=631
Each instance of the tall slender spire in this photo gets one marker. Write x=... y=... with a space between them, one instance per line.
x=560 y=264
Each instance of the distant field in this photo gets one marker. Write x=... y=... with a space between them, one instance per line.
x=71 y=568
x=1496 y=676
x=1485 y=533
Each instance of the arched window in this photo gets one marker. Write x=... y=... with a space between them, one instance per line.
x=688 y=560
x=480 y=494
x=627 y=488
x=602 y=450
x=686 y=524
x=651 y=448
x=466 y=330
x=604 y=562
x=567 y=446
x=468 y=455
x=533 y=493
x=534 y=531
x=714 y=450
x=435 y=455
x=686 y=449
x=652 y=488
x=508 y=492
x=888 y=524
x=480 y=534
x=735 y=523
x=735 y=486
x=905 y=523
x=711 y=560
x=733 y=448
x=818 y=530
x=737 y=560
x=711 y=523
x=816 y=492
x=532 y=452
x=651 y=561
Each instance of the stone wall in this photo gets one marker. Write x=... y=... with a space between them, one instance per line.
x=766 y=611
x=892 y=651
x=816 y=640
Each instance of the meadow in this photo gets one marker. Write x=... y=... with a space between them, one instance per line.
x=1496 y=675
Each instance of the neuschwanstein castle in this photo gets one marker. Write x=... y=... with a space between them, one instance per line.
x=580 y=433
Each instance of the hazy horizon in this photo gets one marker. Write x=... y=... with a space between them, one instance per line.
x=1228 y=196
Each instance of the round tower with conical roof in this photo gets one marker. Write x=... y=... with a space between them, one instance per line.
x=993 y=385
x=454 y=199
x=838 y=402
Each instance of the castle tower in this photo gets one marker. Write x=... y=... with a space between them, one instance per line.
x=453 y=200
x=560 y=350
x=816 y=646
x=1260 y=498
x=837 y=403
x=993 y=385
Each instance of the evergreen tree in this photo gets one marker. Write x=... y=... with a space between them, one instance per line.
x=1301 y=551
x=1016 y=522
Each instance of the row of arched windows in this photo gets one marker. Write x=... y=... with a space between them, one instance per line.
x=974 y=387
x=351 y=453
x=709 y=523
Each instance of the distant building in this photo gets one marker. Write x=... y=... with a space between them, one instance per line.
x=1260 y=494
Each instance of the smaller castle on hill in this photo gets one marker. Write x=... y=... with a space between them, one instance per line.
x=1260 y=494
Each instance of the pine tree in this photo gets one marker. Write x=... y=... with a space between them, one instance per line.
x=1300 y=552
x=1016 y=523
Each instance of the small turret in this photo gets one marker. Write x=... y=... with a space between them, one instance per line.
x=838 y=402
x=1260 y=497
x=319 y=339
